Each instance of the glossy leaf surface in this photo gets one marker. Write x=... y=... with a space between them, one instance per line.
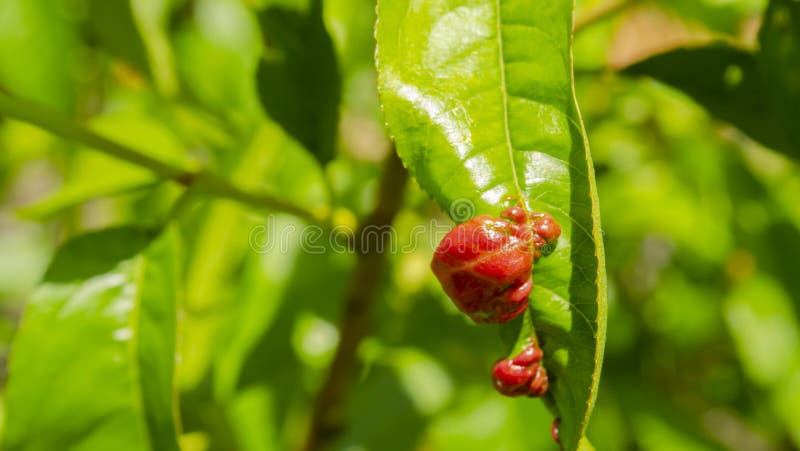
x=479 y=99
x=93 y=363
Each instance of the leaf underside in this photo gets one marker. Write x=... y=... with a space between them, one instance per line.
x=479 y=98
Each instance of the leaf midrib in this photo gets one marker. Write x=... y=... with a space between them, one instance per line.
x=504 y=91
x=510 y=148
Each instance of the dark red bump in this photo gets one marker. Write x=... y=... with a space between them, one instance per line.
x=521 y=292
x=515 y=214
x=507 y=374
x=554 y=430
x=545 y=226
x=530 y=355
x=539 y=383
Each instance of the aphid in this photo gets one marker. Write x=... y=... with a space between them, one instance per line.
x=485 y=264
x=521 y=375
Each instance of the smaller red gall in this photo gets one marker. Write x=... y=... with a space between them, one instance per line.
x=485 y=264
x=521 y=375
x=554 y=430
x=546 y=231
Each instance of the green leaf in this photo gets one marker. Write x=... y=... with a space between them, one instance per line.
x=112 y=27
x=298 y=79
x=724 y=17
x=38 y=44
x=585 y=445
x=724 y=80
x=277 y=164
x=216 y=52
x=81 y=191
x=152 y=17
x=271 y=162
x=93 y=363
x=756 y=92
x=259 y=297
x=97 y=252
x=779 y=61
x=479 y=99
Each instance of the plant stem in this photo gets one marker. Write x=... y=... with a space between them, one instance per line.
x=208 y=182
x=328 y=417
x=203 y=180
x=601 y=13
x=53 y=122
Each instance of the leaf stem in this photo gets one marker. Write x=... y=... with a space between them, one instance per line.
x=328 y=417
x=202 y=179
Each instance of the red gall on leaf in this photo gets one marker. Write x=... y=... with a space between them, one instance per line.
x=554 y=430
x=521 y=375
x=485 y=264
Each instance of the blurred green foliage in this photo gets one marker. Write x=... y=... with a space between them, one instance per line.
x=701 y=225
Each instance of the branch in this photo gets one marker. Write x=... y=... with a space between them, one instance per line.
x=328 y=417
x=202 y=179
x=601 y=13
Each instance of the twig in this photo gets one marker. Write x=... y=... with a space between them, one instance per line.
x=601 y=13
x=202 y=179
x=328 y=417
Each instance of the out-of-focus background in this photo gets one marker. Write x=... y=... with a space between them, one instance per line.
x=701 y=226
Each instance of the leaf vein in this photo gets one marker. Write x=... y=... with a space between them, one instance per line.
x=504 y=90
